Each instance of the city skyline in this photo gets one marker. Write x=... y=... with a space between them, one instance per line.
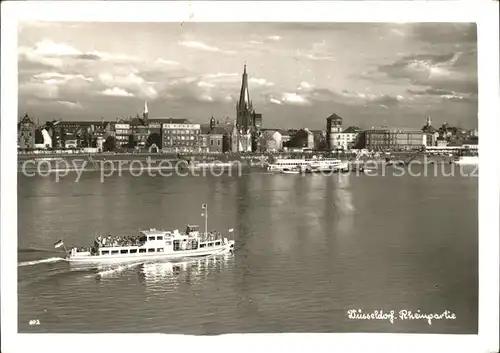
x=298 y=73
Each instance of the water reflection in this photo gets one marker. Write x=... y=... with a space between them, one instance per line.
x=171 y=274
x=344 y=205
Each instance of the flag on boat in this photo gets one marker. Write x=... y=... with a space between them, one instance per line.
x=204 y=206
x=231 y=230
x=58 y=244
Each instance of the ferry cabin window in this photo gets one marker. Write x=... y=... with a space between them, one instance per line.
x=114 y=252
x=176 y=245
x=142 y=251
x=210 y=244
x=151 y=238
x=124 y=251
x=159 y=250
x=151 y=250
x=203 y=245
x=217 y=243
x=105 y=252
x=133 y=251
x=160 y=237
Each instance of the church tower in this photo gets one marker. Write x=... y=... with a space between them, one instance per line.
x=244 y=109
x=145 y=113
x=212 y=123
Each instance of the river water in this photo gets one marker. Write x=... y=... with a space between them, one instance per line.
x=308 y=249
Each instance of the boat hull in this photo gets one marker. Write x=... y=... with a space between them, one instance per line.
x=154 y=256
x=467 y=161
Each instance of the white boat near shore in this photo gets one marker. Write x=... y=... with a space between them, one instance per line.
x=467 y=158
x=290 y=171
x=152 y=244
x=211 y=164
x=309 y=165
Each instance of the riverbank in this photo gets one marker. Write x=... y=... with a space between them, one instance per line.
x=171 y=161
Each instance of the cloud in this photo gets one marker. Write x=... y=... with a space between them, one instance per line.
x=61 y=55
x=59 y=78
x=318 y=58
x=116 y=92
x=274 y=38
x=444 y=94
x=293 y=98
x=442 y=33
x=275 y=101
x=386 y=100
x=39 y=90
x=130 y=83
x=70 y=105
x=49 y=53
x=452 y=71
x=304 y=86
x=88 y=56
x=49 y=48
x=222 y=76
x=398 y=32
x=166 y=62
x=206 y=98
x=430 y=91
x=204 y=47
x=260 y=82
x=205 y=84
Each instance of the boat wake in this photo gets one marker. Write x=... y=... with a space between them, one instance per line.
x=35 y=250
x=42 y=261
x=113 y=271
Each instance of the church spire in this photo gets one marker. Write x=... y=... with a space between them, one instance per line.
x=145 y=113
x=244 y=102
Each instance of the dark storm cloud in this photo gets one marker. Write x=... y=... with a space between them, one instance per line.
x=386 y=100
x=454 y=33
x=430 y=92
x=451 y=71
x=87 y=56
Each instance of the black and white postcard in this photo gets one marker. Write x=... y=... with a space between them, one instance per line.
x=250 y=176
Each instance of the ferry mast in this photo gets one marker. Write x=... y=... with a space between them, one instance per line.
x=204 y=207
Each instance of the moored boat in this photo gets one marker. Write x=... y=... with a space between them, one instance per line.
x=290 y=171
x=309 y=165
x=215 y=164
x=467 y=157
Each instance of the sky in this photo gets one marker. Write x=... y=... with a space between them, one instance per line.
x=371 y=74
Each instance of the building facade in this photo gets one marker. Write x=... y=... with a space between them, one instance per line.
x=333 y=128
x=181 y=137
x=271 y=141
x=394 y=140
x=26 y=133
x=215 y=142
x=338 y=138
x=122 y=133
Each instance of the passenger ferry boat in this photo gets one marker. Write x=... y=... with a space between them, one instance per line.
x=152 y=244
x=308 y=165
